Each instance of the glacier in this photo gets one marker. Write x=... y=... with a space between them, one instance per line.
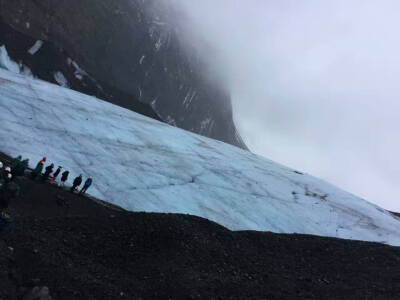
x=141 y=164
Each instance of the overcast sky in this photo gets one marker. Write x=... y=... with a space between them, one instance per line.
x=315 y=84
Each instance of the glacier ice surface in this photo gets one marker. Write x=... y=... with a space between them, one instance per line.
x=141 y=164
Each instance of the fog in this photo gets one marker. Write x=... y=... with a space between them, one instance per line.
x=314 y=84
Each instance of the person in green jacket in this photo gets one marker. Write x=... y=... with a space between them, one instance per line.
x=39 y=168
x=16 y=165
x=16 y=162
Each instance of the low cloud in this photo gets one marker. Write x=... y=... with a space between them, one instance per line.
x=315 y=84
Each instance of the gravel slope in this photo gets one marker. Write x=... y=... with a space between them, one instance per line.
x=85 y=250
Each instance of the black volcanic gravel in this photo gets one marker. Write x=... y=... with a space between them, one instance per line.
x=86 y=250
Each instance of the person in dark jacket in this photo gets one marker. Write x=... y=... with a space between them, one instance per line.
x=8 y=173
x=87 y=184
x=15 y=164
x=39 y=168
x=64 y=177
x=55 y=174
x=77 y=182
x=5 y=177
x=19 y=169
x=47 y=173
x=22 y=167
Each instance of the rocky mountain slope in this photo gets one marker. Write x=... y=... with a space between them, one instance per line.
x=133 y=50
x=142 y=164
x=71 y=248
x=44 y=60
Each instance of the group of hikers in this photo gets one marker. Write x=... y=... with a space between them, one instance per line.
x=47 y=175
x=17 y=167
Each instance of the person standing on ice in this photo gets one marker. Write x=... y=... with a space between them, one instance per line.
x=47 y=173
x=16 y=162
x=39 y=168
x=55 y=174
x=5 y=181
x=87 y=184
x=7 y=175
x=77 y=182
x=64 y=177
x=22 y=167
x=18 y=167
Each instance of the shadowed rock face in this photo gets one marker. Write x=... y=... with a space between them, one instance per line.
x=132 y=47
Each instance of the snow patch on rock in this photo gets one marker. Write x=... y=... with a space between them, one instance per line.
x=79 y=73
x=25 y=70
x=36 y=47
x=60 y=79
x=6 y=62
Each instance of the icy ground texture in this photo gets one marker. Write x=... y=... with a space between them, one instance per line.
x=145 y=165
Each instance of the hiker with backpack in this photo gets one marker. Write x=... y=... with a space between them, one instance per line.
x=7 y=176
x=22 y=167
x=39 y=168
x=49 y=170
x=64 y=178
x=77 y=182
x=18 y=167
x=15 y=164
x=87 y=184
x=55 y=174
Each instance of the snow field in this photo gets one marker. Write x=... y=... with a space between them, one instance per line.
x=141 y=164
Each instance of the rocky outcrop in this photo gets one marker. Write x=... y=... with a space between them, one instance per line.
x=131 y=47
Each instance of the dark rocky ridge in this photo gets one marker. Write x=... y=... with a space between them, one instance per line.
x=396 y=214
x=86 y=250
x=132 y=48
x=50 y=59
